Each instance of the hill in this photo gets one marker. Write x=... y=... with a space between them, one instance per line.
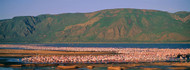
x=111 y=25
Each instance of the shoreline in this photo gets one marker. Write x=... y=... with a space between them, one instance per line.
x=96 y=43
x=51 y=57
x=141 y=66
x=29 y=53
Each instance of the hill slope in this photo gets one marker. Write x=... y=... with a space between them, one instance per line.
x=112 y=25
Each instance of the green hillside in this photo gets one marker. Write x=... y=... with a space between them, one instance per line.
x=112 y=25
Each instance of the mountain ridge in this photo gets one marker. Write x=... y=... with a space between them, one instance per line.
x=94 y=11
x=110 y=25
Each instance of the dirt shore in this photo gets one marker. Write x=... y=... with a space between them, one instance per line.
x=26 y=53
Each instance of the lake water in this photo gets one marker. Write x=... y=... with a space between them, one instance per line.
x=115 y=45
x=4 y=59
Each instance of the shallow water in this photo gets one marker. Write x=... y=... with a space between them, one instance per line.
x=10 y=59
x=28 y=68
x=96 y=68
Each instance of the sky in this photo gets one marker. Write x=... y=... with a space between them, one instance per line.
x=12 y=8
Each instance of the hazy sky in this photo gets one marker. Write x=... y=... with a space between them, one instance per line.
x=11 y=8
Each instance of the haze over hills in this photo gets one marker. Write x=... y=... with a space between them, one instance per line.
x=111 y=25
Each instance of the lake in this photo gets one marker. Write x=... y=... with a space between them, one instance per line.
x=120 y=45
